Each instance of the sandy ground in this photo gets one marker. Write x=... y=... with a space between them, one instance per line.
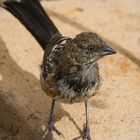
x=115 y=111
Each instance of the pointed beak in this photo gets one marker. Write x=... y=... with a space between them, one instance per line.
x=108 y=51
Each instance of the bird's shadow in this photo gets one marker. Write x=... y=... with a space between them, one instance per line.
x=33 y=100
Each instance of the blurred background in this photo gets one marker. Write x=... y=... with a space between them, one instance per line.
x=114 y=112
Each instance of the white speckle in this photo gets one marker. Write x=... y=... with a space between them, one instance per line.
x=54 y=47
x=1 y=77
x=43 y=128
x=63 y=42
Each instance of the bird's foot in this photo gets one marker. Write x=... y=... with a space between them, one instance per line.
x=50 y=129
x=85 y=134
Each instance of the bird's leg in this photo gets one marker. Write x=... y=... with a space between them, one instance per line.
x=86 y=131
x=51 y=126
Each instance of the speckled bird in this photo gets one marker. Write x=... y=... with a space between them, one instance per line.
x=69 y=71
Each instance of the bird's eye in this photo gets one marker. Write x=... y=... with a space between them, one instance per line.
x=91 y=48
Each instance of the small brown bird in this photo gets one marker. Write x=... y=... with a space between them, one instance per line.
x=69 y=72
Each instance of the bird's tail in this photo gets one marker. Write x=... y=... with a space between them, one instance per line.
x=31 y=14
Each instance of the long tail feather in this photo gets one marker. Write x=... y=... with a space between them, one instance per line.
x=31 y=14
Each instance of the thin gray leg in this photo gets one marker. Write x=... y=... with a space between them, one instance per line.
x=51 y=126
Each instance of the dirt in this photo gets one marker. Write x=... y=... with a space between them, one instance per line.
x=114 y=112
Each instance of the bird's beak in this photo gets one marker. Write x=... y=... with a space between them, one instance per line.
x=108 y=51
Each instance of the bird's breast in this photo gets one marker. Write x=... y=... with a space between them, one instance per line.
x=69 y=95
x=63 y=92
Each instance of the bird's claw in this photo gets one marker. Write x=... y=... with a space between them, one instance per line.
x=49 y=130
x=85 y=134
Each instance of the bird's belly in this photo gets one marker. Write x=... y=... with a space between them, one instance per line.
x=69 y=96
x=62 y=93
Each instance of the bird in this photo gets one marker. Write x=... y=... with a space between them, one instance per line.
x=69 y=70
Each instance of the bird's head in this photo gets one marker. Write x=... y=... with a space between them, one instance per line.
x=87 y=48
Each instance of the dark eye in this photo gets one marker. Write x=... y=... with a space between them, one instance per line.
x=91 y=48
